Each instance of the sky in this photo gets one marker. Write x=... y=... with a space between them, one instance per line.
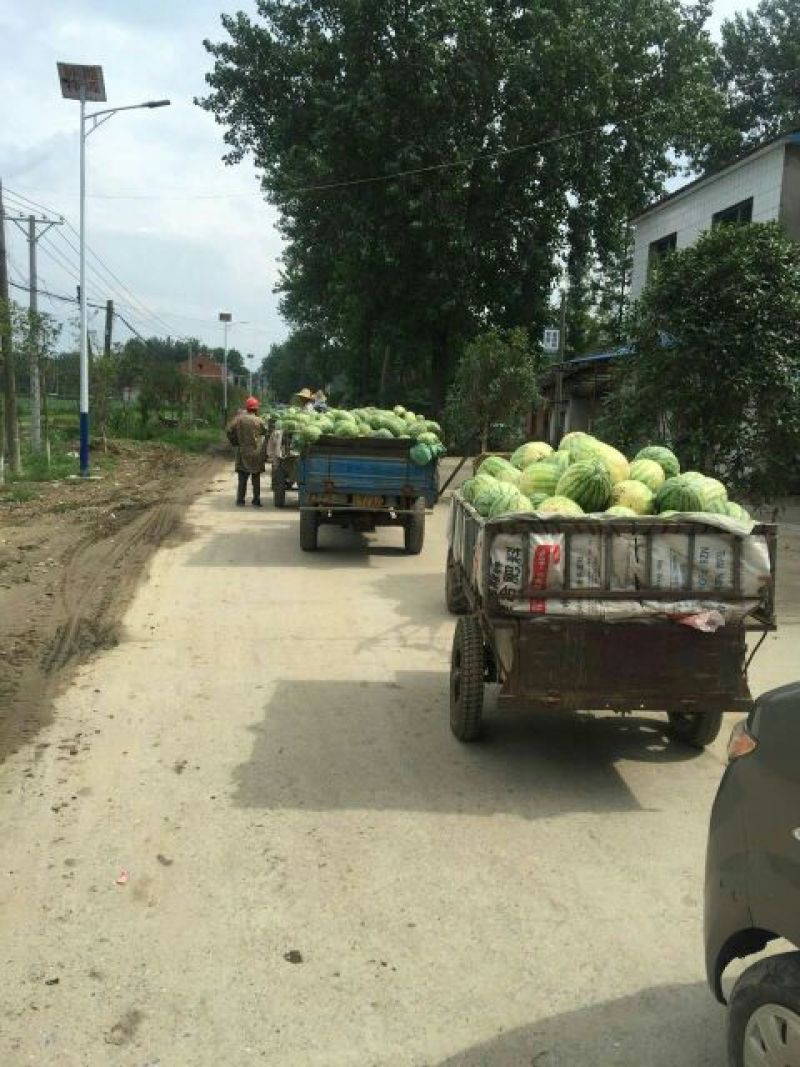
x=178 y=235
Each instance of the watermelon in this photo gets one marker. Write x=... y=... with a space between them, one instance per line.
x=529 y=453
x=485 y=496
x=665 y=458
x=494 y=465
x=736 y=511
x=712 y=492
x=618 y=511
x=570 y=439
x=676 y=494
x=509 y=501
x=587 y=448
x=420 y=454
x=537 y=498
x=634 y=495
x=649 y=473
x=588 y=483
x=560 y=505
x=540 y=478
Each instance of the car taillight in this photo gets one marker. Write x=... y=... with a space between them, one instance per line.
x=741 y=743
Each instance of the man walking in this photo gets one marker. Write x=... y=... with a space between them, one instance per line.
x=248 y=432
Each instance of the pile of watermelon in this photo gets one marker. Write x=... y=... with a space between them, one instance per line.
x=306 y=428
x=586 y=476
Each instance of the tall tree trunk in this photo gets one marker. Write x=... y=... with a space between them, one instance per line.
x=440 y=367
x=387 y=353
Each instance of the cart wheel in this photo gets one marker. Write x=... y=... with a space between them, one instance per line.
x=467 y=672
x=697 y=730
x=309 y=528
x=454 y=595
x=414 y=530
x=278 y=486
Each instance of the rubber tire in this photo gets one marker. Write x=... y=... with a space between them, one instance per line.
x=467 y=679
x=695 y=730
x=454 y=595
x=278 y=486
x=414 y=529
x=309 y=530
x=774 y=980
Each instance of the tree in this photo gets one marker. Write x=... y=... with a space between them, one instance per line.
x=495 y=382
x=759 y=72
x=715 y=370
x=428 y=157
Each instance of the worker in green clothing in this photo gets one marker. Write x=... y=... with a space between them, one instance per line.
x=248 y=432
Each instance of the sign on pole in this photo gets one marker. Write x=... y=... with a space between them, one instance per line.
x=225 y=316
x=75 y=77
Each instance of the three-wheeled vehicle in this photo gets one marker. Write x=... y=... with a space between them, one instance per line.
x=589 y=614
x=363 y=483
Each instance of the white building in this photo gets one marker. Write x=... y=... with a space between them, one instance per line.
x=763 y=186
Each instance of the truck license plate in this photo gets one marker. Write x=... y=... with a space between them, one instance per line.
x=361 y=501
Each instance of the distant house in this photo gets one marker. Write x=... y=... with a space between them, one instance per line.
x=572 y=395
x=202 y=367
x=762 y=186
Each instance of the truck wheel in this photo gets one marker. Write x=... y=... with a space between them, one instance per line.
x=764 y=1013
x=467 y=672
x=696 y=730
x=414 y=531
x=454 y=595
x=309 y=528
x=278 y=486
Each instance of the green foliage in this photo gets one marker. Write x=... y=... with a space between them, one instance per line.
x=495 y=382
x=466 y=226
x=715 y=371
x=758 y=70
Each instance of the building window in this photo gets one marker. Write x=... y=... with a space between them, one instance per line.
x=551 y=340
x=661 y=248
x=737 y=214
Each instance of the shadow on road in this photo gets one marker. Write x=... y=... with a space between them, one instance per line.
x=253 y=545
x=660 y=1027
x=327 y=745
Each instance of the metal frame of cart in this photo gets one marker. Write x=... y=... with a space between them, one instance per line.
x=574 y=664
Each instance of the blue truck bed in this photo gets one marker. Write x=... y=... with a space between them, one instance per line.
x=363 y=483
x=358 y=467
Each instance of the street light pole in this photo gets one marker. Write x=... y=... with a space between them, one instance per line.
x=86 y=83
x=83 y=407
x=225 y=318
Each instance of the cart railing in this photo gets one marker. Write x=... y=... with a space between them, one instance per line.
x=611 y=560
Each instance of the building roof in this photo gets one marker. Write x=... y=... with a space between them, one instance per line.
x=787 y=137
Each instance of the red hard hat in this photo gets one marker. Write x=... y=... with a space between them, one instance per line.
x=252 y=403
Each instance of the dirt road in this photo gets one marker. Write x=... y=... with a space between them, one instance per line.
x=247 y=837
x=70 y=560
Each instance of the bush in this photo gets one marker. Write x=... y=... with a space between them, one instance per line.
x=715 y=367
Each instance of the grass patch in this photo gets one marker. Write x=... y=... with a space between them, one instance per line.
x=17 y=494
x=197 y=441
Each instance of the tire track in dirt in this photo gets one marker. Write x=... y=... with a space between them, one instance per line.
x=97 y=577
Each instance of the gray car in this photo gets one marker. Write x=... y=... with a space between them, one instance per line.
x=752 y=892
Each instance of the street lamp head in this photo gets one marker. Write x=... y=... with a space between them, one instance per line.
x=158 y=103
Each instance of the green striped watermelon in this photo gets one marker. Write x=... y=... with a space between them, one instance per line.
x=588 y=483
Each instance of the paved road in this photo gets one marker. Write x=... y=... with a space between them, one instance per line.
x=316 y=872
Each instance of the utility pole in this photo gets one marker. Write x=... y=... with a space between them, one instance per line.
x=28 y=225
x=191 y=385
x=11 y=448
x=562 y=327
x=109 y=328
x=225 y=318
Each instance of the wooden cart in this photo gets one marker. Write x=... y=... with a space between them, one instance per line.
x=570 y=662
